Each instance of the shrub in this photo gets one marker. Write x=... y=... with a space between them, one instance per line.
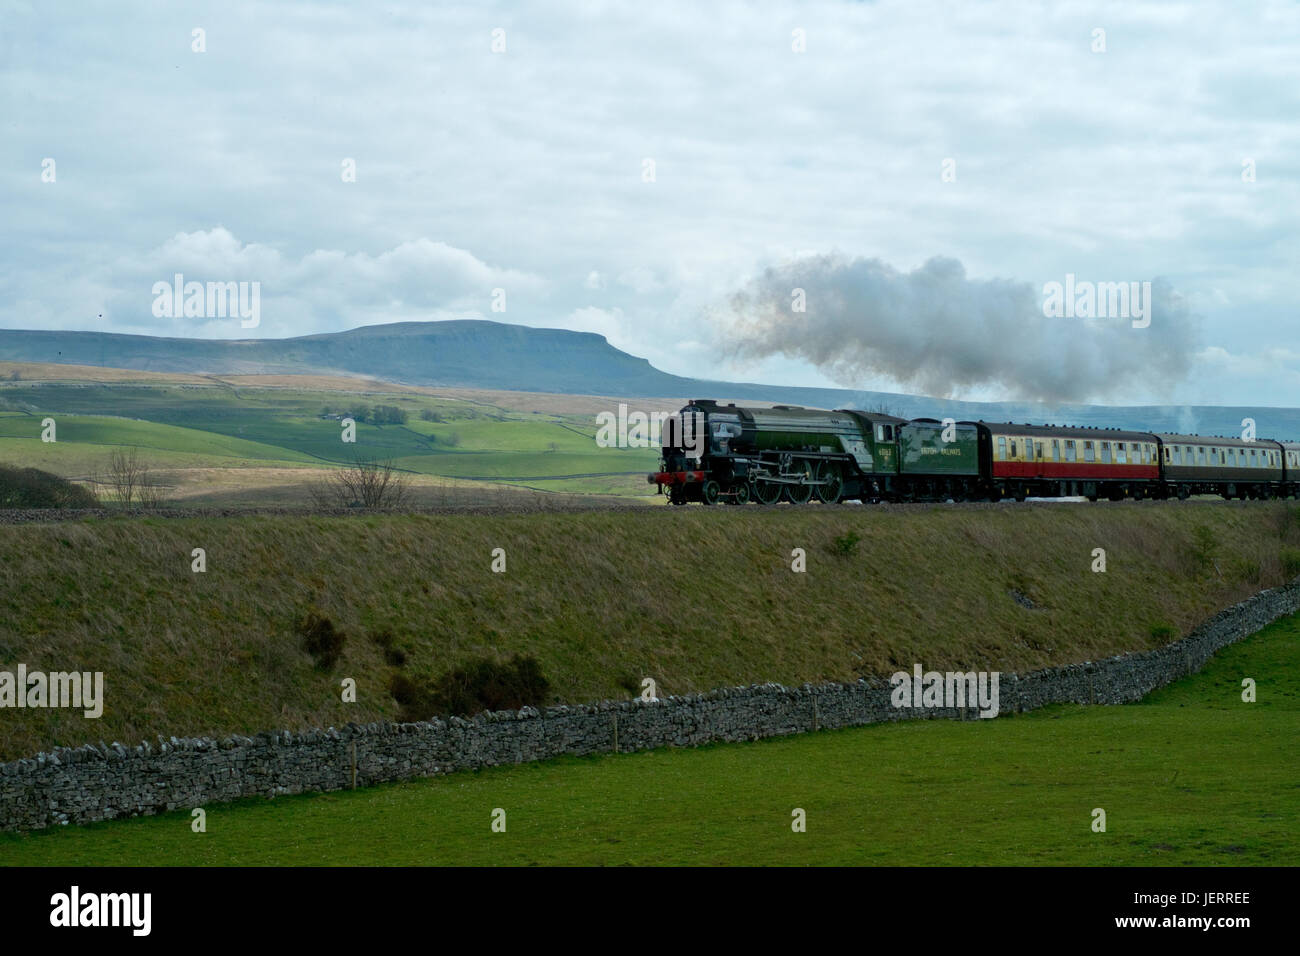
x=846 y=545
x=412 y=698
x=33 y=488
x=1205 y=546
x=320 y=639
x=1290 y=562
x=484 y=683
x=1248 y=569
x=132 y=480
x=363 y=484
x=629 y=683
x=487 y=683
x=1164 y=633
x=393 y=655
x=1287 y=520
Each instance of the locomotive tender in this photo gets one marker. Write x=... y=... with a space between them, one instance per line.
x=731 y=454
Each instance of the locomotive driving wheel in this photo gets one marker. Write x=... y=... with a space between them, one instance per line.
x=799 y=494
x=740 y=493
x=709 y=493
x=766 y=492
x=830 y=483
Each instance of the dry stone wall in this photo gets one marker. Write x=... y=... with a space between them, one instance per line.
x=84 y=784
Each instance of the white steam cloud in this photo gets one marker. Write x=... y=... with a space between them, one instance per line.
x=937 y=330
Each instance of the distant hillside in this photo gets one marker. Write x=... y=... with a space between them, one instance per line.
x=494 y=355
x=457 y=353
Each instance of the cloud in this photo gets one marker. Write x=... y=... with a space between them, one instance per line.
x=522 y=170
x=421 y=279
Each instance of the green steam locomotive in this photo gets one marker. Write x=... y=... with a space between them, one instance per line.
x=714 y=453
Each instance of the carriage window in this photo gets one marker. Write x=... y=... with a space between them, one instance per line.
x=1069 y=451
x=1168 y=457
x=1223 y=459
x=1013 y=448
x=1105 y=451
x=1120 y=453
x=1089 y=453
x=1038 y=450
x=1002 y=448
x=1200 y=455
x=1056 y=449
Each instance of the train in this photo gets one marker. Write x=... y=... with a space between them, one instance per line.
x=731 y=454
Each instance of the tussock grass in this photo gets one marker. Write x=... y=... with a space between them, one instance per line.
x=693 y=598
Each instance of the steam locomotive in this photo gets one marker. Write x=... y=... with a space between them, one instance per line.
x=731 y=454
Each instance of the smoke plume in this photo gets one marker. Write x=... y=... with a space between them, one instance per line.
x=936 y=330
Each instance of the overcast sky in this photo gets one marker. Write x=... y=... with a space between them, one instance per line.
x=525 y=170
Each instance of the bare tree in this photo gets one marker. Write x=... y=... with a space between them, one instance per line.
x=151 y=493
x=363 y=484
x=126 y=474
x=132 y=480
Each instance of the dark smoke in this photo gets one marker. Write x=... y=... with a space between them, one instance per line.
x=937 y=330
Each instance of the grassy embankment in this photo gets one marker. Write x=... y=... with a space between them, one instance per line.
x=693 y=598
x=1190 y=776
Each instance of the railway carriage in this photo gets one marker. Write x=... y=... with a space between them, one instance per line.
x=1231 y=467
x=1047 y=461
x=1290 y=469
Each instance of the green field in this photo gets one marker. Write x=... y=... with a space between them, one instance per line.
x=1190 y=776
x=181 y=428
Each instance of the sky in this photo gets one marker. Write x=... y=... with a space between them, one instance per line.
x=675 y=176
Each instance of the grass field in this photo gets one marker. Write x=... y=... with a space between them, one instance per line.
x=1190 y=776
x=694 y=598
x=188 y=428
